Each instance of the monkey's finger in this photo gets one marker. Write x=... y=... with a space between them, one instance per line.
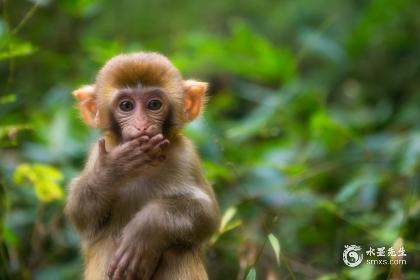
x=152 y=142
x=135 y=149
x=115 y=261
x=152 y=130
x=136 y=142
x=156 y=153
x=158 y=148
x=131 y=146
x=132 y=271
x=102 y=148
x=163 y=144
x=121 y=269
x=143 y=139
x=156 y=139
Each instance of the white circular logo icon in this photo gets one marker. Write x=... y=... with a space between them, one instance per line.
x=351 y=255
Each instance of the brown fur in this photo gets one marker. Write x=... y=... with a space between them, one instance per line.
x=124 y=71
x=170 y=203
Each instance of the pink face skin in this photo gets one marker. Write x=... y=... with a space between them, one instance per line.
x=135 y=110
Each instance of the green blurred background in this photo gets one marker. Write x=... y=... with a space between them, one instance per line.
x=311 y=137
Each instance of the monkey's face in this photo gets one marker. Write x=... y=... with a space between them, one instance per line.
x=138 y=91
x=135 y=110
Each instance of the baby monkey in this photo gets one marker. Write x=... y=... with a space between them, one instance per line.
x=141 y=205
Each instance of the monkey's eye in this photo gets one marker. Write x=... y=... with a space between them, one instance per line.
x=126 y=105
x=154 y=104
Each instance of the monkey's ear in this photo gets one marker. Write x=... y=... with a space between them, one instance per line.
x=194 y=98
x=86 y=99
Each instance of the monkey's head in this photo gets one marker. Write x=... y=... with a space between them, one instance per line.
x=140 y=90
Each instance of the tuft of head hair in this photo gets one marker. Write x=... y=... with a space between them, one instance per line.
x=139 y=70
x=145 y=69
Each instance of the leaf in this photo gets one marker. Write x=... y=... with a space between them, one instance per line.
x=227 y=223
x=319 y=43
x=9 y=236
x=329 y=132
x=215 y=171
x=360 y=193
x=227 y=216
x=261 y=60
x=275 y=244
x=16 y=50
x=8 y=98
x=232 y=224
x=411 y=158
x=79 y=7
x=101 y=50
x=43 y=178
x=267 y=109
x=252 y=274
x=8 y=133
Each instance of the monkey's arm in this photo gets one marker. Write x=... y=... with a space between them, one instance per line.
x=91 y=195
x=89 y=201
x=161 y=224
x=182 y=220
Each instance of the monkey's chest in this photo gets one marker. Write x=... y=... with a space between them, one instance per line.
x=131 y=199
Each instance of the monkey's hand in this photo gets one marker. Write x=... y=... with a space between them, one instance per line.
x=130 y=156
x=136 y=258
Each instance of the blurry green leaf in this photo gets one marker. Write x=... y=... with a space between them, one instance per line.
x=41 y=2
x=3 y=27
x=361 y=192
x=319 y=43
x=256 y=120
x=390 y=228
x=329 y=276
x=9 y=236
x=377 y=24
x=43 y=178
x=348 y=191
x=16 y=49
x=330 y=133
x=4 y=130
x=293 y=169
x=227 y=216
x=259 y=58
x=411 y=158
x=245 y=52
x=216 y=171
x=328 y=205
x=79 y=7
x=275 y=244
x=8 y=134
x=267 y=109
x=362 y=272
x=100 y=50
x=252 y=274
x=8 y=98
x=232 y=225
